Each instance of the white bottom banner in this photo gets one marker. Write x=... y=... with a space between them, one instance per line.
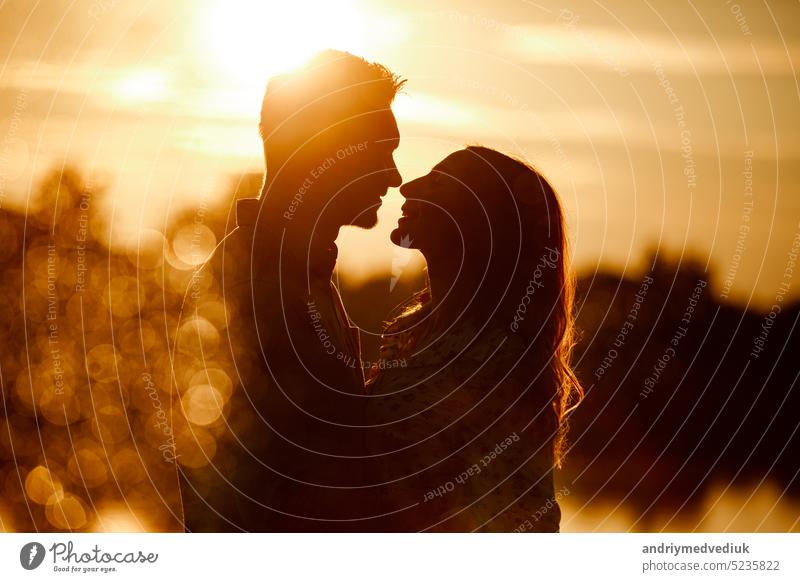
x=400 y=557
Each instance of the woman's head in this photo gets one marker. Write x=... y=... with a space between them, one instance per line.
x=492 y=215
x=501 y=224
x=483 y=204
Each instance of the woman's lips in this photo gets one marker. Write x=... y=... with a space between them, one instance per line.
x=410 y=214
x=406 y=221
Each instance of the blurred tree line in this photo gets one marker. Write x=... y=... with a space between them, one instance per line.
x=678 y=397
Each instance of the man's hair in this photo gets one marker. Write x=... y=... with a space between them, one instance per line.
x=332 y=87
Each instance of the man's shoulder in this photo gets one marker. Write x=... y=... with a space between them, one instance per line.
x=237 y=244
x=234 y=246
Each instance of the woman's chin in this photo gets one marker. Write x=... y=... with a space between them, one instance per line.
x=402 y=237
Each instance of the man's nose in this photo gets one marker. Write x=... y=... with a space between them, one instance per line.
x=395 y=179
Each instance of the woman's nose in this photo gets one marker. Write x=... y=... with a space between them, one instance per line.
x=409 y=188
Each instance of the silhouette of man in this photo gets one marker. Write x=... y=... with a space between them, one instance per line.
x=269 y=383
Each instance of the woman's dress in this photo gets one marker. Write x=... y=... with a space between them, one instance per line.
x=462 y=430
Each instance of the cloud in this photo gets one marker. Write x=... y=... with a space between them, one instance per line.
x=575 y=44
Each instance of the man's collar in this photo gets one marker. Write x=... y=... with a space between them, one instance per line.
x=247 y=211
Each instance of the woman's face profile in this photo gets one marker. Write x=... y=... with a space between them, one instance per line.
x=442 y=209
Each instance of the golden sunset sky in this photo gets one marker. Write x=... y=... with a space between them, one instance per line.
x=649 y=118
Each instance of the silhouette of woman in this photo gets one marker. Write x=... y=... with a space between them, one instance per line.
x=468 y=404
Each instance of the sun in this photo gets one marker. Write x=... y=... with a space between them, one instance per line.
x=249 y=41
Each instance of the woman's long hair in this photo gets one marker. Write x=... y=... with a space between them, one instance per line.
x=528 y=272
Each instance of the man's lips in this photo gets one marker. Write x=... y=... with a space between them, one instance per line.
x=409 y=212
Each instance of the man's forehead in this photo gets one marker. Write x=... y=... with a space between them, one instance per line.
x=381 y=126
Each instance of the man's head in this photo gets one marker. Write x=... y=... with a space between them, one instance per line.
x=329 y=136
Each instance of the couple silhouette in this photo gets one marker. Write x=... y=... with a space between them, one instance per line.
x=459 y=425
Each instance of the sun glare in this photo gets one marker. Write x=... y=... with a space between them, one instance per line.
x=430 y=110
x=250 y=41
x=142 y=85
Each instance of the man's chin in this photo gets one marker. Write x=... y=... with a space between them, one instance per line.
x=365 y=220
